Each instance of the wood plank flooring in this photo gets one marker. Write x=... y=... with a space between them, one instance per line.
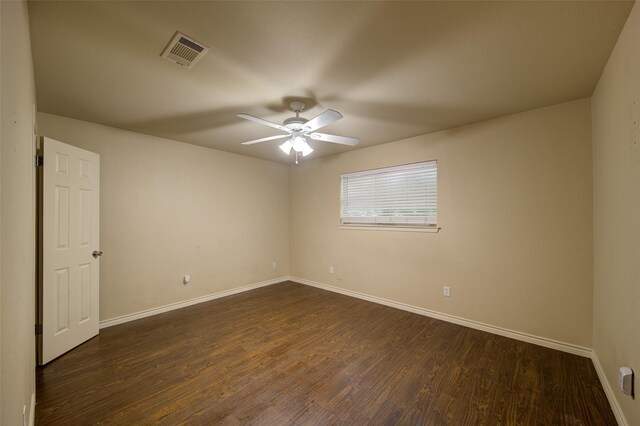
x=293 y=354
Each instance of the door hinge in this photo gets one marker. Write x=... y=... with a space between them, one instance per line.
x=38 y=329
x=39 y=160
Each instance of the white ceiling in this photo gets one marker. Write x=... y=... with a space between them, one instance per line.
x=393 y=69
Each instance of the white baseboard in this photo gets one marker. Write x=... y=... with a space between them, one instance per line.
x=32 y=410
x=529 y=338
x=617 y=410
x=172 y=306
x=542 y=341
x=525 y=337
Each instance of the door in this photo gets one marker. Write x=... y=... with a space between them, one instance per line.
x=70 y=256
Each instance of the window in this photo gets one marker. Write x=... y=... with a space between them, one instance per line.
x=394 y=196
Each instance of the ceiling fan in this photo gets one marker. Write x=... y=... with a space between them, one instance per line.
x=298 y=129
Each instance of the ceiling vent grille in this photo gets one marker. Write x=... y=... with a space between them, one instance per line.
x=184 y=50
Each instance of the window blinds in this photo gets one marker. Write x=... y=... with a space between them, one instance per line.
x=401 y=195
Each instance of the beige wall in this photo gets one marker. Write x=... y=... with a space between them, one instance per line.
x=517 y=244
x=17 y=217
x=616 y=152
x=514 y=203
x=170 y=209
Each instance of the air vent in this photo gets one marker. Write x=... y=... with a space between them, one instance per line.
x=184 y=50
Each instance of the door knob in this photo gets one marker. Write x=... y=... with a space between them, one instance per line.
x=96 y=253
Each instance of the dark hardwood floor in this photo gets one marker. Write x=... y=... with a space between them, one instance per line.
x=292 y=354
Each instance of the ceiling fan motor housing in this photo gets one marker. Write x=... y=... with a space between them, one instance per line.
x=294 y=123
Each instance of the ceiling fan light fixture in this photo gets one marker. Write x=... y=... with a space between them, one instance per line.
x=306 y=150
x=299 y=143
x=286 y=146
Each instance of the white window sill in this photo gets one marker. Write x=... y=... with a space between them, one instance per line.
x=398 y=228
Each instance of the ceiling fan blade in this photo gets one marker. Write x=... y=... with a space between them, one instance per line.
x=268 y=138
x=342 y=140
x=264 y=122
x=327 y=117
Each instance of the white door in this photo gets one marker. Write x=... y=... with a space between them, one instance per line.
x=70 y=247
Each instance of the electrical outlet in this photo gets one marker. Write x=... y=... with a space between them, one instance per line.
x=274 y=264
x=446 y=291
x=331 y=270
x=625 y=380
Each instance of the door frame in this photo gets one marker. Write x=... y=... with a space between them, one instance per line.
x=39 y=249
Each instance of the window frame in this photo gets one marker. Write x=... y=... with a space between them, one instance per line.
x=401 y=222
